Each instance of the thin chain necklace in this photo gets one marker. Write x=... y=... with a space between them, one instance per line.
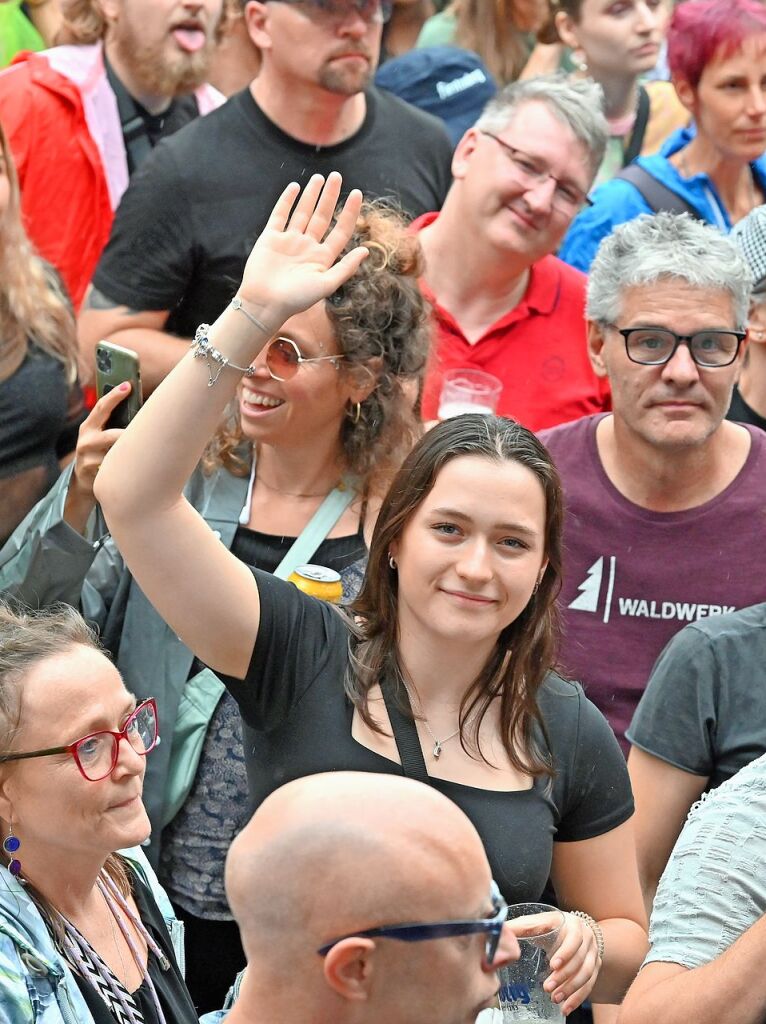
x=438 y=744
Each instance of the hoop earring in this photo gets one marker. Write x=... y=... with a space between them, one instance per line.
x=355 y=414
x=11 y=844
x=392 y=562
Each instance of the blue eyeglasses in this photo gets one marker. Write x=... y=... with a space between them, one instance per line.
x=493 y=926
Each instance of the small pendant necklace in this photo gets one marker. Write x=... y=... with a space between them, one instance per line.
x=438 y=744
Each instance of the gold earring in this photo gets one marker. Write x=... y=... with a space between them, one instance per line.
x=356 y=415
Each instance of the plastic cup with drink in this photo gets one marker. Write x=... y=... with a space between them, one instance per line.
x=468 y=390
x=523 y=1000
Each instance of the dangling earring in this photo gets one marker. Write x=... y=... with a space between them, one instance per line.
x=11 y=844
x=580 y=61
x=356 y=413
x=392 y=561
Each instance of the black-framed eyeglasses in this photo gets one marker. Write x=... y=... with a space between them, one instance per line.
x=492 y=926
x=96 y=754
x=567 y=197
x=655 y=346
x=334 y=12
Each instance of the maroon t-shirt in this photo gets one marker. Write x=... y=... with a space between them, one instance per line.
x=633 y=578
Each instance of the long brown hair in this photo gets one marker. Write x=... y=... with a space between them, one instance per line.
x=382 y=325
x=495 y=31
x=33 y=306
x=525 y=649
x=26 y=639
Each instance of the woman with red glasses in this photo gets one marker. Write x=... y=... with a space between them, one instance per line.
x=306 y=450
x=445 y=672
x=86 y=934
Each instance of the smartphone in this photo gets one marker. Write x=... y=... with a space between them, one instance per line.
x=114 y=365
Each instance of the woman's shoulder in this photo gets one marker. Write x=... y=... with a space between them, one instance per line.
x=570 y=718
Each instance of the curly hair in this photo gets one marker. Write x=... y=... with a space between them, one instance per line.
x=383 y=327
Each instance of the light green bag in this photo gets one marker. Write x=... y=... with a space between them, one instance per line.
x=202 y=692
x=196 y=707
x=17 y=32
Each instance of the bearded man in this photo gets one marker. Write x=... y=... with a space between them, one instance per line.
x=82 y=116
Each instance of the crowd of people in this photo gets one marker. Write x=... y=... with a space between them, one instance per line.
x=529 y=671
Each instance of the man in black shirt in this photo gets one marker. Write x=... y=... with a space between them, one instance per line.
x=319 y=881
x=191 y=215
x=81 y=117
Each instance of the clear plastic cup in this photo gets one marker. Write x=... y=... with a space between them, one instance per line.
x=523 y=1000
x=468 y=391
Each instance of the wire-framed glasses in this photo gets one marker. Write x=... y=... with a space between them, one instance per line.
x=492 y=926
x=96 y=754
x=655 y=346
x=567 y=198
x=284 y=359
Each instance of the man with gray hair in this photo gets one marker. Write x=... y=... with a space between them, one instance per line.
x=503 y=302
x=665 y=499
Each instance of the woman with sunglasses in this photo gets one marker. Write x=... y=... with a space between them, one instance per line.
x=455 y=622
x=86 y=934
x=306 y=449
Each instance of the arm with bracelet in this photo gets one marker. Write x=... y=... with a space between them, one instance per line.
x=207 y=596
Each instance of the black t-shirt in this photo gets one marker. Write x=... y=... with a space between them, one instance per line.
x=196 y=206
x=181 y=111
x=704 y=708
x=171 y=989
x=298 y=722
x=740 y=411
x=40 y=413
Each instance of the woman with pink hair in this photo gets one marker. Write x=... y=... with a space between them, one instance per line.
x=715 y=170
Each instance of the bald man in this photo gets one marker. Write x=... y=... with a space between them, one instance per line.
x=324 y=866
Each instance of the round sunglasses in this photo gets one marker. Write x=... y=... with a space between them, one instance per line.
x=284 y=359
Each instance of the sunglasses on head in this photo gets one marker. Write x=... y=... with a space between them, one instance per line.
x=284 y=359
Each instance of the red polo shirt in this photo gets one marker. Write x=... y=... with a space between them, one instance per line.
x=538 y=350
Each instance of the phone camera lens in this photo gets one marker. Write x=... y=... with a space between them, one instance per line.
x=103 y=361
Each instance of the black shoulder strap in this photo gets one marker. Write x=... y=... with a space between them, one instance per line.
x=405 y=735
x=657 y=195
x=636 y=141
x=137 y=143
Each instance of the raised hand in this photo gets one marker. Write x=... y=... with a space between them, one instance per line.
x=296 y=261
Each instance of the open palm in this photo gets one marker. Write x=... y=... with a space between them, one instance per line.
x=293 y=265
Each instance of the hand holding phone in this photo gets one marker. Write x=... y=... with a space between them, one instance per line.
x=114 y=365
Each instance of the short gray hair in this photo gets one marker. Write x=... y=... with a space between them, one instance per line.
x=577 y=103
x=660 y=247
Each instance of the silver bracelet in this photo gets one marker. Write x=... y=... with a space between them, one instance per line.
x=204 y=350
x=594 y=926
x=236 y=303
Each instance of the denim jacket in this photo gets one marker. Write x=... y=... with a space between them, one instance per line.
x=36 y=983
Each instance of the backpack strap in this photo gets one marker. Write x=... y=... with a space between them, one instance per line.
x=636 y=140
x=658 y=196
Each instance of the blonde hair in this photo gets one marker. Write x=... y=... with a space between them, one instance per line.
x=491 y=29
x=33 y=306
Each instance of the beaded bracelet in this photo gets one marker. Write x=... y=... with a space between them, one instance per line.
x=594 y=926
x=204 y=350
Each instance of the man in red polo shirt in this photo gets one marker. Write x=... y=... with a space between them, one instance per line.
x=503 y=303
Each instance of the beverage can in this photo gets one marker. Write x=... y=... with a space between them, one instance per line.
x=318 y=581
